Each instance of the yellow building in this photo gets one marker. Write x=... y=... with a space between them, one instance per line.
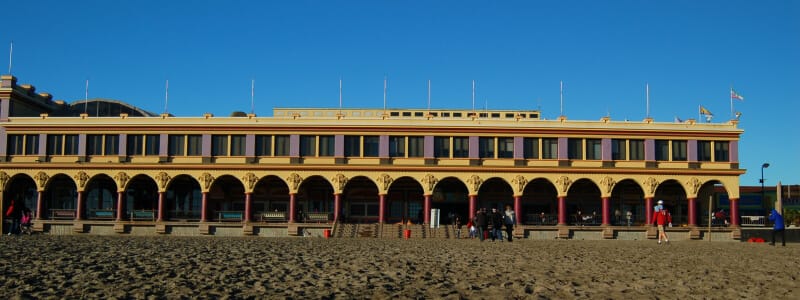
x=105 y=167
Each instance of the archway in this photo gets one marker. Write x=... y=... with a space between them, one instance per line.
x=404 y=200
x=674 y=196
x=451 y=197
x=22 y=189
x=315 y=197
x=225 y=195
x=141 y=194
x=100 y=197
x=360 y=197
x=495 y=193
x=270 y=194
x=584 y=205
x=539 y=203
x=720 y=207
x=61 y=197
x=627 y=196
x=183 y=199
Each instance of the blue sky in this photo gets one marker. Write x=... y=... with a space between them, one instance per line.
x=690 y=53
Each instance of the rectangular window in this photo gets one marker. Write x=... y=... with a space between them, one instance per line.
x=703 y=150
x=505 y=147
x=54 y=146
x=575 y=148
x=135 y=144
x=441 y=146
x=679 y=150
x=176 y=145
x=416 y=146
x=662 y=150
x=153 y=142
x=238 y=144
x=112 y=144
x=94 y=144
x=486 y=147
x=397 y=146
x=721 y=152
x=219 y=145
x=308 y=145
x=549 y=148
x=16 y=144
x=460 y=146
x=263 y=145
x=636 y=149
x=31 y=144
x=530 y=148
x=71 y=144
x=281 y=145
x=326 y=145
x=593 y=149
x=194 y=145
x=371 y=145
x=352 y=146
x=618 y=149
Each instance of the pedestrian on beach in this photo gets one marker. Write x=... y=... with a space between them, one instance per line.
x=25 y=221
x=510 y=219
x=15 y=214
x=777 y=227
x=457 y=220
x=629 y=215
x=661 y=217
x=480 y=224
x=471 y=228
x=579 y=217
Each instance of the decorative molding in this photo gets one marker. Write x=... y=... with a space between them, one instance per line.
x=3 y=180
x=81 y=178
x=162 y=179
x=564 y=182
x=339 y=180
x=430 y=181
x=608 y=183
x=122 y=179
x=520 y=182
x=651 y=184
x=694 y=185
x=250 y=180
x=294 y=180
x=385 y=180
x=206 y=179
x=475 y=181
x=41 y=179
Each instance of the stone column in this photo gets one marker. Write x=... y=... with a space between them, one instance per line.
x=248 y=206
x=38 y=205
x=381 y=208
x=292 y=207
x=517 y=209
x=562 y=210
x=734 y=212
x=648 y=210
x=692 y=211
x=79 y=210
x=427 y=208
x=606 y=213
x=160 y=206
x=473 y=201
x=120 y=206
x=204 y=208
x=337 y=206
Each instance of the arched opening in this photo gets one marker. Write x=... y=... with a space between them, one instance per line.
x=451 y=197
x=61 y=197
x=315 y=198
x=225 y=198
x=674 y=197
x=183 y=199
x=539 y=203
x=720 y=209
x=360 y=197
x=627 y=196
x=495 y=193
x=22 y=190
x=271 y=194
x=584 y=205
x=100 y=197
x=141 y=195
x=404 y=200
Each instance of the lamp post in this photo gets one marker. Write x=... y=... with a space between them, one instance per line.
x=763 y=166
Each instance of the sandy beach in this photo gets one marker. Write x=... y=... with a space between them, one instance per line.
x=44 y=266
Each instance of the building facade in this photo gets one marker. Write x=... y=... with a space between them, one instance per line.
x=100 y=165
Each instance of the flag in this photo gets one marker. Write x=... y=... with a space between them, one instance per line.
x=704 y=111
x=735 y=95
x=678 y=120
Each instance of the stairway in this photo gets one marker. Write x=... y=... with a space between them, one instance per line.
x=392 y=231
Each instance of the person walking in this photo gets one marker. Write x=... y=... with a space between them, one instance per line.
x=510 y=219
x=777 y=227
x=480 y=223
x=661 y=217
x=497 y=225
x=457 y=221
x=14 y=212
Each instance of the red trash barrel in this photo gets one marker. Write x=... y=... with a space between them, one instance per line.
x=407 y=234
x=326 y=233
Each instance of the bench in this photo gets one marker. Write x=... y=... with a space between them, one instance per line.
x=143 y=215
x=62 y=214
x=273 y=216
x=105 y=214
x=230 y=216
x=318 y=217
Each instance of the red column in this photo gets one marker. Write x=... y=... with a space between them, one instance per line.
x=606 y=214
x=160 y=206
x=692 y=211
x=203 y=207
x=517 y=208
x=38 y=205
x=120 y=208
x=292 y=202
x=734 y=212
x=427 y=209
x=337 y=205
x=381 y=208
x=562 y=210
x=79 y=211
x=473 y=200
x=248 y=203
x=648 y=210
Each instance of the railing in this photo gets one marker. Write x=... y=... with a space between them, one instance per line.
x=273 y=216
x=62 y=214
x=143 y=215
x=318 y=217
x=759 y=221
x=230 y=216
x=540 y=219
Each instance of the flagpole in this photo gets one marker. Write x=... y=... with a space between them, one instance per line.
x=647 y=91
x=86 y=99
x=384 y=93
x=10 y=56
x=340 y=95
x=429 y=96
x=166 y=98
x=562 y=97
x=473 y=96
x=252 y=96
x=731 y=96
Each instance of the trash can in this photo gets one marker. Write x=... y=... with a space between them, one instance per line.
x=326 y=233
x=407 y=234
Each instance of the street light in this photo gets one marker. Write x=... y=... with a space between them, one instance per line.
x=763 y=166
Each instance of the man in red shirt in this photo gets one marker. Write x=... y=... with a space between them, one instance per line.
x=662 y=218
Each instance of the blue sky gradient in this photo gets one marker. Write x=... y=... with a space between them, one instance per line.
x=690 y=52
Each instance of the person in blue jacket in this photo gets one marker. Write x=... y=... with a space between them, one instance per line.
x=778 y=227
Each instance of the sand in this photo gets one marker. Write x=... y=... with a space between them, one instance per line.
x=44 y=266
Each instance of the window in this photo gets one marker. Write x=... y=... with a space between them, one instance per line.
x=281 y=145
x=54 y=144
x=238 y=145
x=704 y=150
x=371 y=145
x=308 y=145
x=135 y=144
x=176 y=145
x=486 y=147
x=549 y=148
x=441 y=146
x=31 y=144
x=219 y=145
x=16 y=144
x=326 y=145
x=352 y=146
x=575 y=148
x=593 y=149
x=530 y=148
x=152 y=143
x=679 y=150
x=416 y=146
x=505 y=147
x=194 y=145
x=636 y=149
x=618 y=149
x=721 y=153
x=397 y=146
x=460 y=146
x=94 y=144
x=662 y=150
x=263 y=145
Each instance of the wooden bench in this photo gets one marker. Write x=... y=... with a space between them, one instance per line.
x=62 y=214
x=273 y=216
x=143 y=215
x=230 y=216
x=104 y=214
x=318 y=217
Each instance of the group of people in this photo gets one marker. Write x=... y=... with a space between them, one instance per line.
x=20 y=216
x=489 y=224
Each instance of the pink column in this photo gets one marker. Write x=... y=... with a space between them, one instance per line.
x=427 y=209
x=562 y=210
x=381 y=208
x=648 y=210
x=160 y=206
x=473 y=200
x=203 y=207
x=292 y=201
x=120 y=208
x=38 y=205
x=79 y=210
x=247 y=206
x=692 y=211
x=606 y=214
x=517 y=208
x=337 y=206
x=734 y=212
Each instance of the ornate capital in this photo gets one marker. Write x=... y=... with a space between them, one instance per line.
x=122 y=179
x=519 y=181
x=563 y=182
x=475 y=181
x=385 y=180
x=3 y=180
x=81 y=178
x=650 y=184
x=162 y=179
x=430 y=181
x=41 y=179
x=206 y=179
x=694 y=185
x=250 y=180
x=339 y=181
x=608 y=183
x=294 y=180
